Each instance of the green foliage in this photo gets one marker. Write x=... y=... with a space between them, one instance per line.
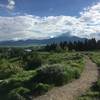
x=56 y=74
x=97 y=85
x=88 y=44
x=95 y=56
x=51 y=74
x=41 y=88
x=18 y=80
x=90 y=95
x=20 y=93
x=8 y=68
x=23 y=73
x=15 y=96
x=32 y=61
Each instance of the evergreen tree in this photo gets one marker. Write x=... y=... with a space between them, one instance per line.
x=86 y=45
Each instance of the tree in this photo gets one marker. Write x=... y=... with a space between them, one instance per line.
x=87 y=44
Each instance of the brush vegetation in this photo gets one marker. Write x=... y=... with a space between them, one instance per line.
x=25 y=73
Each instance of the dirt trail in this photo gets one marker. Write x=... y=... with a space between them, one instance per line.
x=77 y=87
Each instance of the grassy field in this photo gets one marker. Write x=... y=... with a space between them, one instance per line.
x=37 y=72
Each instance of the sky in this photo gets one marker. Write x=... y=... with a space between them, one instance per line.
x=38 y=19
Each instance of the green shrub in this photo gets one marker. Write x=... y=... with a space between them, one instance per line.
x=15 y=96
x=19 y=94
x=72 y=73
x=54 y=60
x=40 y=88
x=77 y=73
x=18 y=80
x=90 y=95
x=8 y=70
x=8 y=85
x=32 y=61
x=56 y=74
x=51 y=74
x=97 y=85
x=75 y=65
x=78 y=67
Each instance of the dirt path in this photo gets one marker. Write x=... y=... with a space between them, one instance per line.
x=77 y=87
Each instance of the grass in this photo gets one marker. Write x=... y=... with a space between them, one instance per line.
x=56 y=69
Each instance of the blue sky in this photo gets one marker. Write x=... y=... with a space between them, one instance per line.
x=48 y=7
x=36 y=19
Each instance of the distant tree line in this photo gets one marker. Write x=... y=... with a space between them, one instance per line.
x=86 y=45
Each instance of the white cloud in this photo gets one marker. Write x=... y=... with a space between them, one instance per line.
x=91 y=16
x=9 y=6
x=30 y=27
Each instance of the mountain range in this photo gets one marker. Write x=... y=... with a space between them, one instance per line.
x=30 y=42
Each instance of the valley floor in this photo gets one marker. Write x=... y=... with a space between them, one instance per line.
x=72 y=90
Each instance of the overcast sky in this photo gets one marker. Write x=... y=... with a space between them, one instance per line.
x=35 y=19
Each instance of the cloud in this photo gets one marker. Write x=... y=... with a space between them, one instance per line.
x=25 y=27
x=9 y=6
x=91 y=17
x=32 y=27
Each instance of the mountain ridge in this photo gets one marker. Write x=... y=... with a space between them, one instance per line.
x=27 y=42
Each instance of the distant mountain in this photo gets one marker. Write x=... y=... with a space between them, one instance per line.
x=31 y=42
